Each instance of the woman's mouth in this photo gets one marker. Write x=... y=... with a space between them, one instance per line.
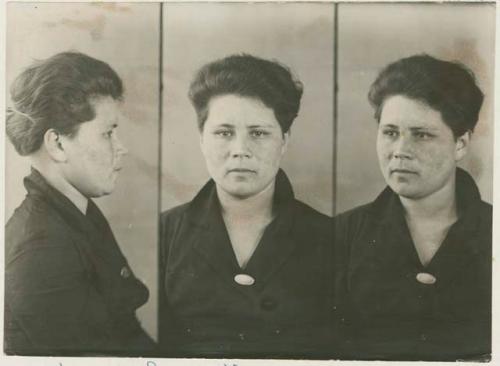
x=241 y=170
x=402 y=171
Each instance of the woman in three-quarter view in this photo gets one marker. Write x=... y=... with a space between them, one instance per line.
x=245 y=265
x=414 y=266
x=68 y=287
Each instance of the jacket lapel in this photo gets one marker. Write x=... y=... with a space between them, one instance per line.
x=462 y=243
x=274 y=250
x=211 y=240
x=279 y=241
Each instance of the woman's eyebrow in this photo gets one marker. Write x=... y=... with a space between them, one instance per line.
x=388 y=125
x=226 y=125
x=263 y=125
x=423 y=128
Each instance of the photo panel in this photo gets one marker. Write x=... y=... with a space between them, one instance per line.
x=126 y=36
x=218 y=298
x=414 y=180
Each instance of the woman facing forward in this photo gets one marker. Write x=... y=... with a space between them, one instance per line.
x=414 y=265
x=245 y=266
x=68 y=287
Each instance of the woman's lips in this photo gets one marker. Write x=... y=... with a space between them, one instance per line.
x=402 y=171
x=241 y=170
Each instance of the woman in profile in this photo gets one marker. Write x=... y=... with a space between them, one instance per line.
x=68 y=287
x=414 y=266
x=245 y=265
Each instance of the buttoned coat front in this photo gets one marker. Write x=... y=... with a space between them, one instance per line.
x=204 y=312
x=68 y=288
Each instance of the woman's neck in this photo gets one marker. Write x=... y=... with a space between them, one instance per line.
x=440 y=205
x=256 y=207
x=54 y=177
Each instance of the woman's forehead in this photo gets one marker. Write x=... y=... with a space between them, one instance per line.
x=235 y=110
x=402 y=111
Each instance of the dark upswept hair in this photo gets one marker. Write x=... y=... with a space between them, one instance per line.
x=248 y=76
x=56 y=93
x=448 y=87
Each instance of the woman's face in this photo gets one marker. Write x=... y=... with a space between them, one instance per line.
x=243 y=144
x=417 y=151
x=93 y=154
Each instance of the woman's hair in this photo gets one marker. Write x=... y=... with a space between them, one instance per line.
x=56 y=93
x=448 y=87
x=248 y=76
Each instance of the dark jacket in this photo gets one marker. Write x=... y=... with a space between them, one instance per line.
x=386 y=313
x=68 y=287
x=205 y=313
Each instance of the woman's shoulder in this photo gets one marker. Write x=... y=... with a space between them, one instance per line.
x=173 y=214
x=34 y=227
x=358 y=213
x=306 y=210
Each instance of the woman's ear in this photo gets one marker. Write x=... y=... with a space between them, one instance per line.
x=53 y=145
x=462 y=145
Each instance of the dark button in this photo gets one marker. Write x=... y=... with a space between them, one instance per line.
x=268 y=304
x=125 y=272
x=423 y=337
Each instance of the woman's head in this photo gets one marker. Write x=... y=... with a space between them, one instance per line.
x=57 y=93
x=248 y=76
x=245 y=107
x=426 y=109
x=448 y=87
x=69 y=105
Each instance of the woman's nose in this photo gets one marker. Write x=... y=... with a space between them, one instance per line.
x=403 y=147
x=240 y=147
x=120 y=147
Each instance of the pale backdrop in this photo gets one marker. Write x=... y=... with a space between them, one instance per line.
x=126 y=36
x=373 y=35
x=298 y=35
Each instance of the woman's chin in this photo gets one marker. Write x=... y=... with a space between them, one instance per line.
x=241 y=190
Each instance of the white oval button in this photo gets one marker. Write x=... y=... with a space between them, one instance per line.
x=243 y=279
x=426 y=278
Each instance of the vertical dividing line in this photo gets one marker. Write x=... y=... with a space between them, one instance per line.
x=160 y=165
x=335 y=101
x=333 y=301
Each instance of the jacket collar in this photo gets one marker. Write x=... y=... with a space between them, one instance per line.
x=205 y=210
x=37 y=186
x=387 y=207
x=93 y=226
x=460 y=245
x=213 y=243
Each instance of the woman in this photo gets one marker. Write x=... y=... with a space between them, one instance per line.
x=245 y=265
x=414 y=278
x=68 y=287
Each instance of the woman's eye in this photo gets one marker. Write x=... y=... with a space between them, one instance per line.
x=224 y=133
x=258 y=133
x=390 y=133
x=108 y=134
x=423 y=135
